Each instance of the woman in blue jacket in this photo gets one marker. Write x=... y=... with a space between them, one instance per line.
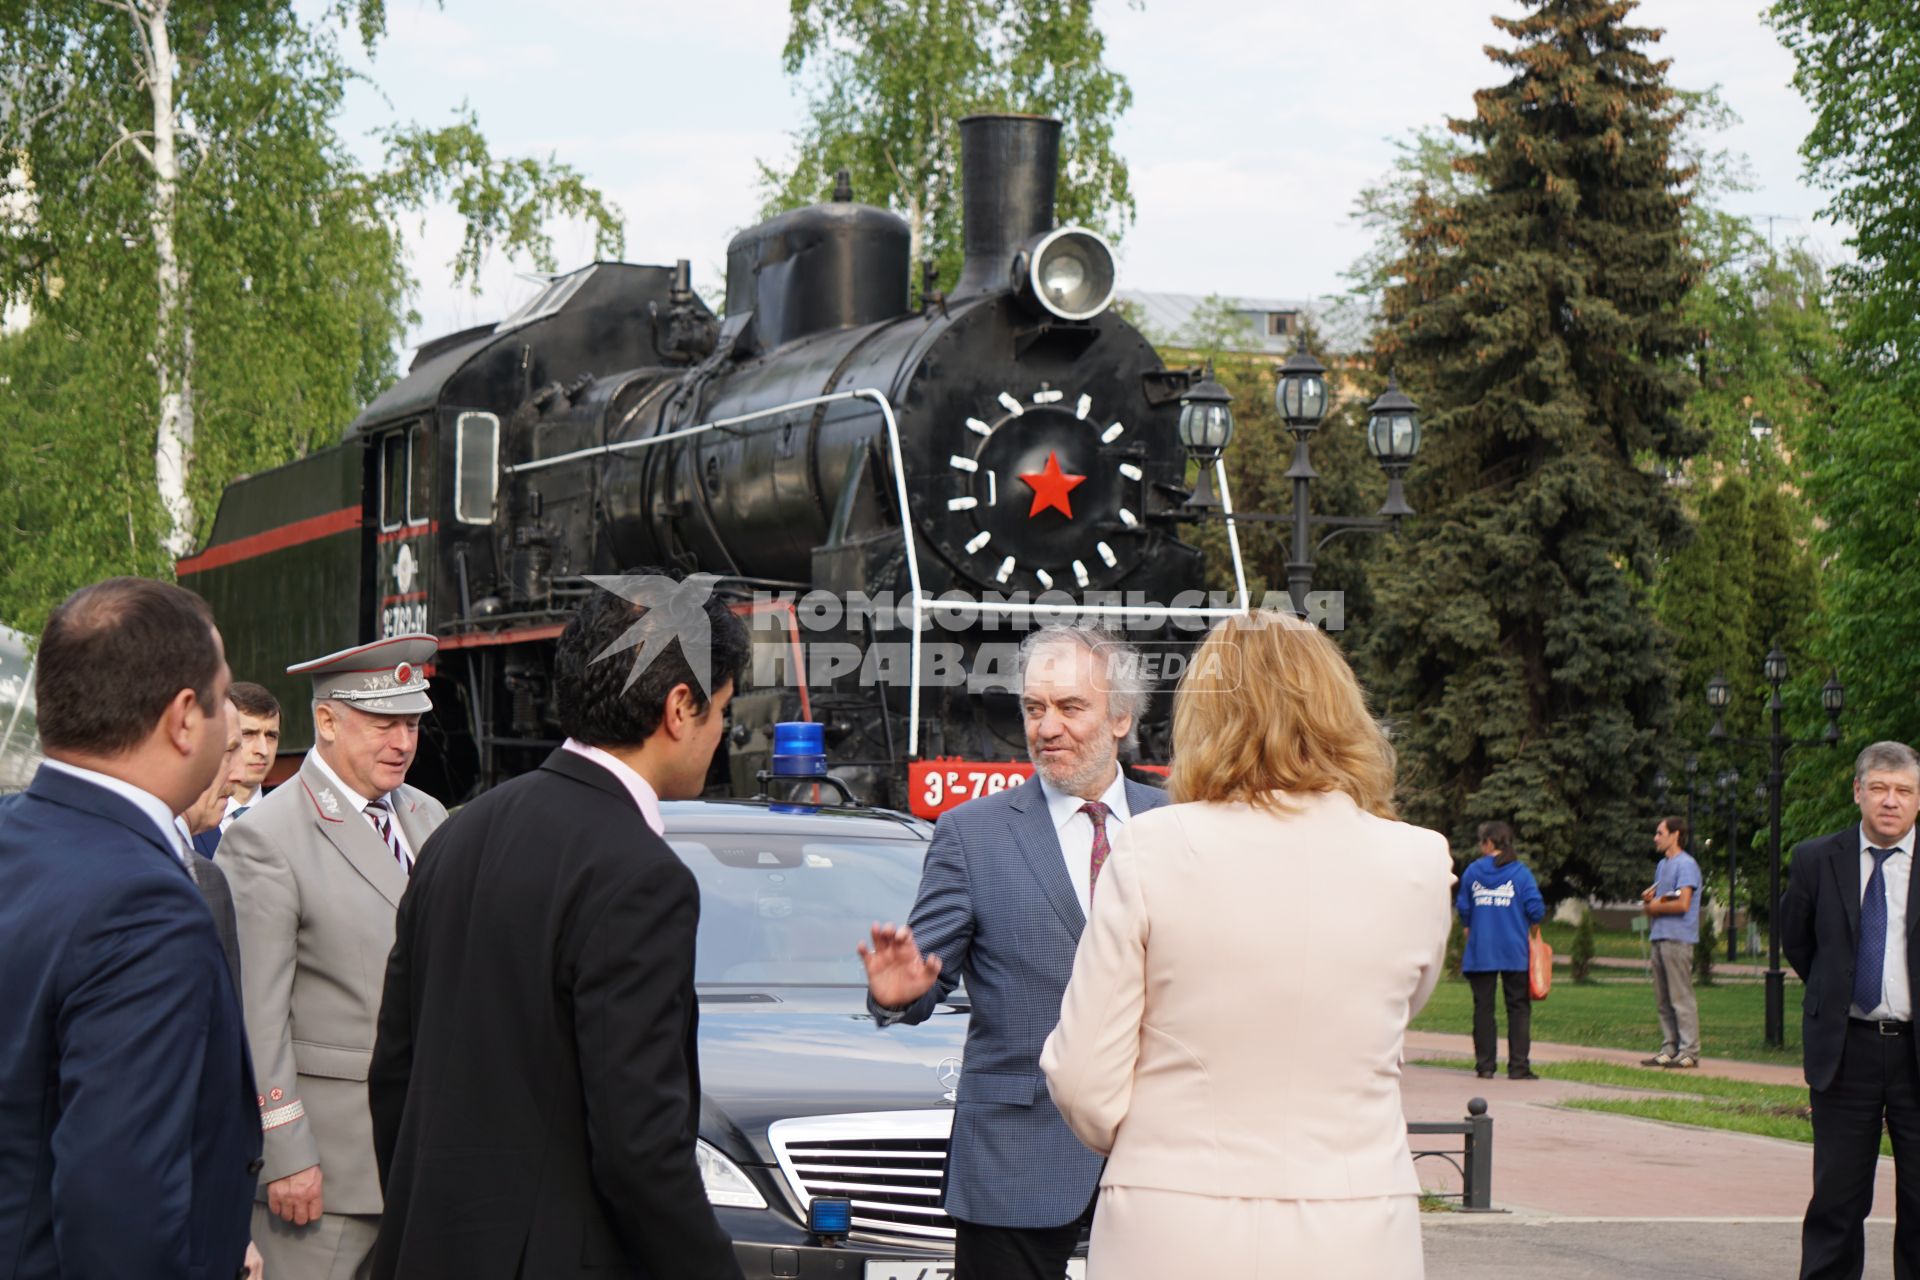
x=1499 y=903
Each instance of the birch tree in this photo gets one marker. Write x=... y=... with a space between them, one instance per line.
x=215 y=284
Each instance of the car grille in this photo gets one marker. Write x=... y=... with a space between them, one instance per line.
x=888 y=1163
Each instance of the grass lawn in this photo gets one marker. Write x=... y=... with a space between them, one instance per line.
x=1620 y=1015
x=1618 y=943
x=1772 y=1111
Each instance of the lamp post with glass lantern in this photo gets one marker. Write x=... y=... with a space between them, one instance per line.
x=1833 y=700
x=1300 y=396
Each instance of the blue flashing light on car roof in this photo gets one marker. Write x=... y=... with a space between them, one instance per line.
x=799 y=749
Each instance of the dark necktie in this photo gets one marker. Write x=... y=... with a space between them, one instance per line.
x=1870 y=959
x=1098 y=813
x=382 y=818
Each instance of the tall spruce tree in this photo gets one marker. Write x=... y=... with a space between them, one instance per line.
x=1538 y=319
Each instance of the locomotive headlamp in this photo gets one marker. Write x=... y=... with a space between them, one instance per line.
x=1301 y=396
x=1069 y=272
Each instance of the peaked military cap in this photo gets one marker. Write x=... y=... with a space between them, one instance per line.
x=386 y=678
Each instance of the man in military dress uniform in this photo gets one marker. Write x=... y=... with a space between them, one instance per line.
x=317 y=870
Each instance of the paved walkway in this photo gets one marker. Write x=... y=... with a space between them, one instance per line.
x=1499 y=1247
x=1550 y=1160
x=1436 y=1044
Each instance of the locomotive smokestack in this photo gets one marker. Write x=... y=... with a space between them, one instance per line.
x=1008 y=167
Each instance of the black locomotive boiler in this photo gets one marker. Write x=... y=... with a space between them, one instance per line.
x=1013 y=436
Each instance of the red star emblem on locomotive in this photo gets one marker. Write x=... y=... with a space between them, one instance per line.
x=1051 y=487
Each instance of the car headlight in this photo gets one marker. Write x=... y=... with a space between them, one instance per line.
x=725 y=1183
x=1067 y=272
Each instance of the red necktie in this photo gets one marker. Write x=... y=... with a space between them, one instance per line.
x=1098 y=812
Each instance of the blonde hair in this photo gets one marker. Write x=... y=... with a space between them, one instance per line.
x=1268 y=705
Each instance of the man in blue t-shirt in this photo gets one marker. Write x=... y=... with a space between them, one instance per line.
x=1673 y=907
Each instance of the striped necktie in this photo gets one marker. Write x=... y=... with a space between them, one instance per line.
x=380 y=813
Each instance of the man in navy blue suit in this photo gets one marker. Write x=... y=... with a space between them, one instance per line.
x=1003 y=899
x=129 y=1133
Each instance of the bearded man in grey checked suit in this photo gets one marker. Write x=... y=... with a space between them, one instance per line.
x=317 y=869
x=1003 y=900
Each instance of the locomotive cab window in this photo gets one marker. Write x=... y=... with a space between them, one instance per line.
x=476 y=467
x=405 y=470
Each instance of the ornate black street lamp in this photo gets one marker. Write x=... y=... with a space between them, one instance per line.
x=1833 y=700
x=1301 y=397
x=1206 y=429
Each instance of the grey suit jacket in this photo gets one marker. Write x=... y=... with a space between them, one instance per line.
x=997 y=906
x=315 y=890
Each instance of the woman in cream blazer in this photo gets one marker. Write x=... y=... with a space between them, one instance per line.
x=1232 y=1035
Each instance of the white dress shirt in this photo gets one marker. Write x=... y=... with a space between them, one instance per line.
x=638 y=787
x=1896 y=999
x=153 y=806
x=1074 y=830
x=184 y=845
x=235 y=804
x=360 y=803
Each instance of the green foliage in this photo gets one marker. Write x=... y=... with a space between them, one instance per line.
x=504 y=202
x=295 y=283
x=887 y=82
x=1858 y=64
x=1431 y=170
x=1538 y=319
x=1704 y=597
x=1580 y=958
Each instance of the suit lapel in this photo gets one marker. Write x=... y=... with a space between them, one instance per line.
x=1846 y=867
x=343 y=826
x=1141 y=798
x=1040 y=844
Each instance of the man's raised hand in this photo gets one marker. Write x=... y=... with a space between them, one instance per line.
x=897 y=974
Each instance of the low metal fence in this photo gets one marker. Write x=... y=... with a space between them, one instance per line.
x=1472 y=1158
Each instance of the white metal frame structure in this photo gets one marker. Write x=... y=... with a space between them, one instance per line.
x=919 y=606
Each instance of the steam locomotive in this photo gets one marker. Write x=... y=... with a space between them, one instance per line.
x=1013 y=436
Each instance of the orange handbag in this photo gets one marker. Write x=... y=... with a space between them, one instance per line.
x=1539 y=966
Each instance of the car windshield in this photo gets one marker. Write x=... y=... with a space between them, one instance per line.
x=782 y=909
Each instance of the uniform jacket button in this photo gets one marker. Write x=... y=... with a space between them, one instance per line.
x=254 y=1167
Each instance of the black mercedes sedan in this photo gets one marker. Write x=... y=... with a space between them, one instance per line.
x=804 y=1098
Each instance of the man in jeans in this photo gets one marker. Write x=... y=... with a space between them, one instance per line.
x=1673 y=908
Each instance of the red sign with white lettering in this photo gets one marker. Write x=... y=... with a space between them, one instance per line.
x=935 y=786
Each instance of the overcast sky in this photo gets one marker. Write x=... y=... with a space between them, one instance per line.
x=1254 y=126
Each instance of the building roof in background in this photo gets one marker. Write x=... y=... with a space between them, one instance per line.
x=1269 y=325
